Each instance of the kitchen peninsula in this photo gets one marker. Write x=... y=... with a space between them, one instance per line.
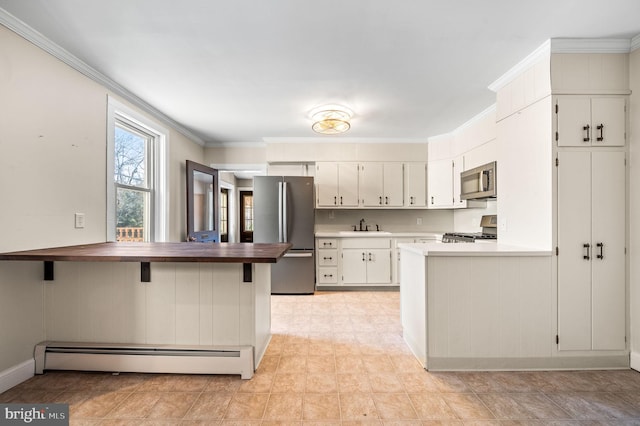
x=185 y=297
x=486 y=307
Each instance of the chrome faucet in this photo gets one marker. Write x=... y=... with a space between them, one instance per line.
x=361 y=223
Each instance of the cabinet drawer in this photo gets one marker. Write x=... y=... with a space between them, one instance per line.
x=366 y=243
x=327 y=275
x=326 y=243
x=328 y=257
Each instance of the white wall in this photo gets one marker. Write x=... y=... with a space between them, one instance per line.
x=53 y=123
x=634 y=216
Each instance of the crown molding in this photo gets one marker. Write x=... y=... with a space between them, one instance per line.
x=39 y=40
x=635 y=43
x=542 y=51
x=590 y=45
x=480 y=116
x=214 y=144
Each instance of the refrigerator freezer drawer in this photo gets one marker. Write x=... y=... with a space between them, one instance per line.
x=294 y=273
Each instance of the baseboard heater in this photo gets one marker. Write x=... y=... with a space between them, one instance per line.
x=138 y=358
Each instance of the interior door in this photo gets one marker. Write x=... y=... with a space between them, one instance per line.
x=608 y=263
x=574 y=259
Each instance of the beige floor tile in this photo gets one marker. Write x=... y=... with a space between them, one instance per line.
x=321 y=364
x=467 y=406
x=137 y=405
x=431 y=406
x=321 y=407
x=284 y=406
x=247 y=406
x=292 y=364
x=98 y=404
x=289 y=383
x=259 y=383
x=385 y=382
x=522 y=406
x=394 y=406
x=224 y=383
x=173 y=405
x=321 y=383
x=175 y=382
x=358 y=406
x=209 y=406
x=377 y=363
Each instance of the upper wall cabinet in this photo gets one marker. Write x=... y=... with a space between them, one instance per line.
x=381 y=184
x=440 y=184
x=591 y=121
x=415 y=184
x=336 y=184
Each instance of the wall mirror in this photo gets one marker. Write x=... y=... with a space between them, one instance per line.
x=202 y=203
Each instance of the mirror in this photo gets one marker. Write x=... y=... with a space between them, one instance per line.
x=202 y=203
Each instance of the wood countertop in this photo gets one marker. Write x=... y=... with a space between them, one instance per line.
x=157 y=252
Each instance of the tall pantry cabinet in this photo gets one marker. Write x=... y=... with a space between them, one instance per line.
x=591 y=222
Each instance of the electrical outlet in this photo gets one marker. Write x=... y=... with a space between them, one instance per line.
x=79 y=217
x=419 y=221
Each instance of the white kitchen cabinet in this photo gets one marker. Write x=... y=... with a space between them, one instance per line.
x=440 y=184
x=458 y=167
x=415 y=184
x=591 y=250
x=591 y=121
x=381 y=184
x=366 y=261
x=336 y=184
x=327 y=260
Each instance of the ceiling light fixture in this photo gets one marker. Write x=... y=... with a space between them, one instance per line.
x=331 y=119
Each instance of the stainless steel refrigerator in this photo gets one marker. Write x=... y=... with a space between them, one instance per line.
x=283 y=211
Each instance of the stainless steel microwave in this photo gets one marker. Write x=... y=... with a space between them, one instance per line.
x=479 y=182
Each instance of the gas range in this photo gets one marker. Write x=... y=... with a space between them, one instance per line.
x=489 y=232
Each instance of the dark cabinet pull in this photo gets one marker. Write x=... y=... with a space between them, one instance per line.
x=380 y=202
x=587 y=128
x=431 y=200
x=588 y=255
x=327 y=258
x=328 y=275
x=341 y=200
x=386 y=200
x=370 y=257
x=411 y=198
x=601 y=137
x=601 y=254
x=335 y=201
x=363 y=258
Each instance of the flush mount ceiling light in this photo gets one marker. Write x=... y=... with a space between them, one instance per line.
x=331 y=119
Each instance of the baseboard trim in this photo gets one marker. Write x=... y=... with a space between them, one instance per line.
x=613 y=362
x=17 y=374
x=634 y=360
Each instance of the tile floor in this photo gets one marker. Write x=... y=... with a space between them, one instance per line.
x=339 y=358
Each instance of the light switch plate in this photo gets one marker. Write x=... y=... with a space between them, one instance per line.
x=79 y=217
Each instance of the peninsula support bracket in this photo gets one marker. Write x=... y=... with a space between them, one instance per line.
x=145 y=272
x=48 y=270
x=247 y=276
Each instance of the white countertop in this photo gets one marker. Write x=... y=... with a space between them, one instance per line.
x=378 y=234
x=472 y=249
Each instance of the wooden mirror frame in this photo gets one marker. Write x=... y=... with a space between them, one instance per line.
x=207 y=235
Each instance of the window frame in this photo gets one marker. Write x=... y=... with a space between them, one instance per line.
x=158 y=163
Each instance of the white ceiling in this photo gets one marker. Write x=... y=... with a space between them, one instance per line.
x=245 y=70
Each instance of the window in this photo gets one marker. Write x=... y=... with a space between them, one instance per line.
x=224 y=215
x=136 y=177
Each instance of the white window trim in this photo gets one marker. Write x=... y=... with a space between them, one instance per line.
x=160 y=169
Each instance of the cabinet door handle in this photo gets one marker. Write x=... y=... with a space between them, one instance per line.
x=601 y=137
x=380 y=202
x=370 y=260
x=587 y=128
x=601 y=254
x=386 y=200
x=363 y=258
x=411 y=198
x=341 y=200
x=335 y=201
x=327 y=258
x=587 y=256
x=431 y=200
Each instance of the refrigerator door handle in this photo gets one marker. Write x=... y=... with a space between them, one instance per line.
x=285 y=222
x=280 y=234
x=309 y=254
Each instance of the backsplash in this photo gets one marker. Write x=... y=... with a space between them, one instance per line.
x=388 y=220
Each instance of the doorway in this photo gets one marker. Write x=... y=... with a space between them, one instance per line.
x=246 y=216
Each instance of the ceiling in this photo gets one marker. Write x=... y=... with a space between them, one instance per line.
x=251 y=70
